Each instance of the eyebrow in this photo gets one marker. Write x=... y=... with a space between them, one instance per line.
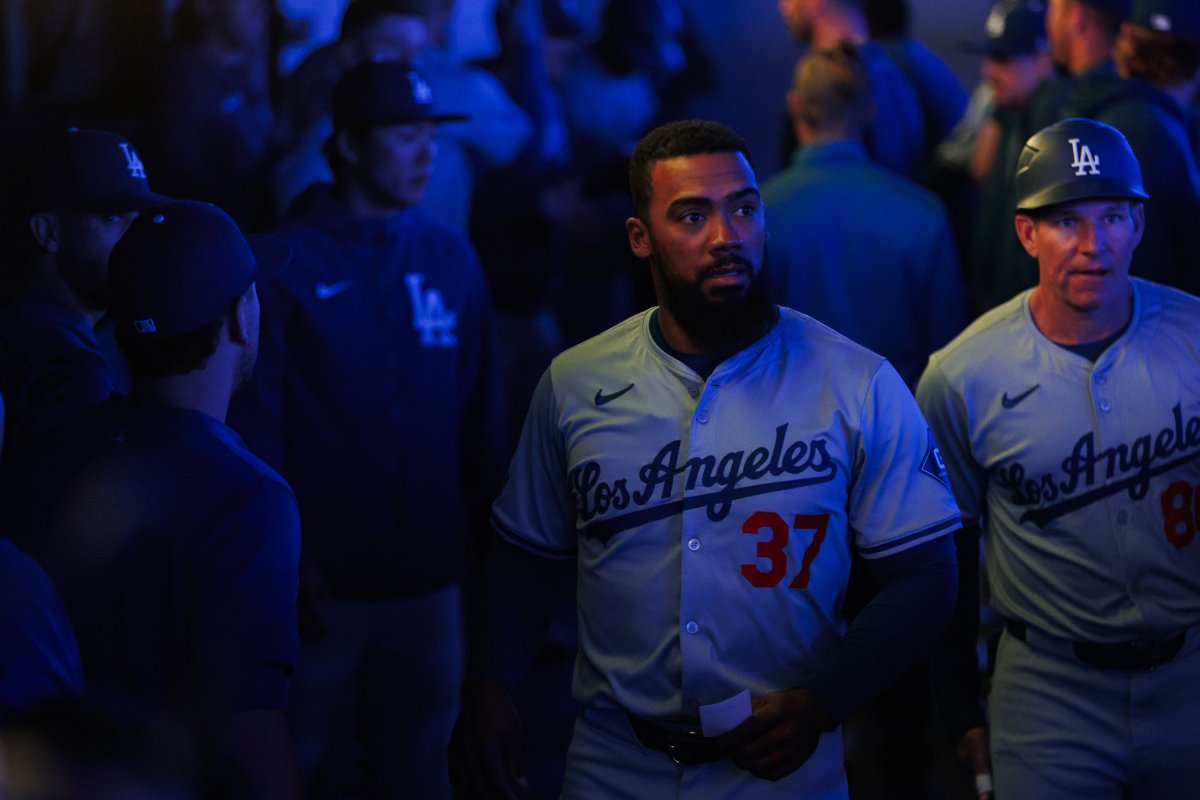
x=707 y=202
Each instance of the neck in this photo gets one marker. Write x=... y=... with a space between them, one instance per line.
x=1066 y=325
x=359 y=203
x=207 y=389
x=1087 y=51
x=809 y=136
x=679 y=339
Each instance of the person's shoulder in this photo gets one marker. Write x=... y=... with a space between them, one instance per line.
x=808 y=342
x=1170 y=308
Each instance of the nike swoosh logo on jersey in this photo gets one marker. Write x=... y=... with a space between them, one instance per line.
x=602 y=398
x=1011 y=402
x=328 y=290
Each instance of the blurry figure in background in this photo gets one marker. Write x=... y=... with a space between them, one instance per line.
x=897 y=136
x=942 y=97
x=82 y=190
x=208 y=130
x=1160 y=44
x=371 y=30
x=173 y=547
x=39 y=657
x=1017 y=69
x=612 y=99
x=524 y=254
x=840 y=223
x=844 y=233
x=412 y=31
x=1082 y=36
x=377 y=399
x=99 y=747
x=493 y=134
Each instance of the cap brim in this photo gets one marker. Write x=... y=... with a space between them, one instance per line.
x=271 y=254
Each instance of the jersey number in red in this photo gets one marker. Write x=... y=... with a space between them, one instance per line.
x=1181 y=511
x=774 y=549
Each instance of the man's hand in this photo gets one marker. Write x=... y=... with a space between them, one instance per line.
x=780 y=734
x=486 y=749
x=971 y=751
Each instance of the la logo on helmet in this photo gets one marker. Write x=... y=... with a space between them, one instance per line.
x=1085 y=163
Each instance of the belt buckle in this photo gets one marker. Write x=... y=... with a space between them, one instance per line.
x=687 y=749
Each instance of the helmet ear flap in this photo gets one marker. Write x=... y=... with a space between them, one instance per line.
x=1076 y=159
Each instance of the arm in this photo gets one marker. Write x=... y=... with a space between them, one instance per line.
x=518 y=591
x=953 y=669
x=913 y=605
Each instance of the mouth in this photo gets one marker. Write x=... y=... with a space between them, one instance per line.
x=730 y=271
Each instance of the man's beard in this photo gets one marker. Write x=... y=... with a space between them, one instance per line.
x=726 y=323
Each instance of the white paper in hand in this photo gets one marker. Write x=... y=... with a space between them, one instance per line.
x=726 y=715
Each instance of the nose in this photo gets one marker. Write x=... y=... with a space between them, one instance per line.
x=725 y=235
x=1091 y=237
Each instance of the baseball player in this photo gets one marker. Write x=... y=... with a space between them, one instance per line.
x=174 y=548
x=82 y=190
x=1070 y=422
x=704 y=470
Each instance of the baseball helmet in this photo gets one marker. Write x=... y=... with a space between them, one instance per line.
x=1076 y=159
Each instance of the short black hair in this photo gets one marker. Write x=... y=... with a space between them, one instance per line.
x=689 y=137
x=172 y=355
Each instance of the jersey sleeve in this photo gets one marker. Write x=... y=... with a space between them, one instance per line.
x=900 y=496
x=535 y=510
x=245 y=637
x=947 y=415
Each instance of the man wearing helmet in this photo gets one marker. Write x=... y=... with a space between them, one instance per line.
x=1069 y=420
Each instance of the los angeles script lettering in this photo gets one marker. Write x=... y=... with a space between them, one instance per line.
x=657 y=478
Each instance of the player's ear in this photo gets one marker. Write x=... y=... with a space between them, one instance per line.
x=639 y=237
x=1027 y=233
x=45 y=228
x=1137 y=213
x=243 y=316
x=346 y=145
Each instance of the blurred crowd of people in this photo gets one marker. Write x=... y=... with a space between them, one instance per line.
x=420 y=232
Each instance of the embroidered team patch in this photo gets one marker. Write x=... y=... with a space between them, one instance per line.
x=932 y=464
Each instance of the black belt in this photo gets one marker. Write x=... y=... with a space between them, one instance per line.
x=1126 y=656
x=685 y=748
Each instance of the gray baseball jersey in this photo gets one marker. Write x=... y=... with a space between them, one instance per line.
x=1088 y=474
x=713 y=520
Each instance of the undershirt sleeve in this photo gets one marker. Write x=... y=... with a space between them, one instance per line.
x=894 y=631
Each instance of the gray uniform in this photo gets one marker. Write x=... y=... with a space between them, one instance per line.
x=1087 y=478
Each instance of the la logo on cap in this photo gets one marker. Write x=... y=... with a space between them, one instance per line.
x=1085 y=163
x=144 y=325
x=136 y=169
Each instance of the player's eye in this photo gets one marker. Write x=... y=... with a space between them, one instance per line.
x=691 y=218
x=747 y=210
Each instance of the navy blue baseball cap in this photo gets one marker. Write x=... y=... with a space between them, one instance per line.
x=179 y=266
x=1173 y=17
x=384 y=93
x=1013 y=28
x=88 y=170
